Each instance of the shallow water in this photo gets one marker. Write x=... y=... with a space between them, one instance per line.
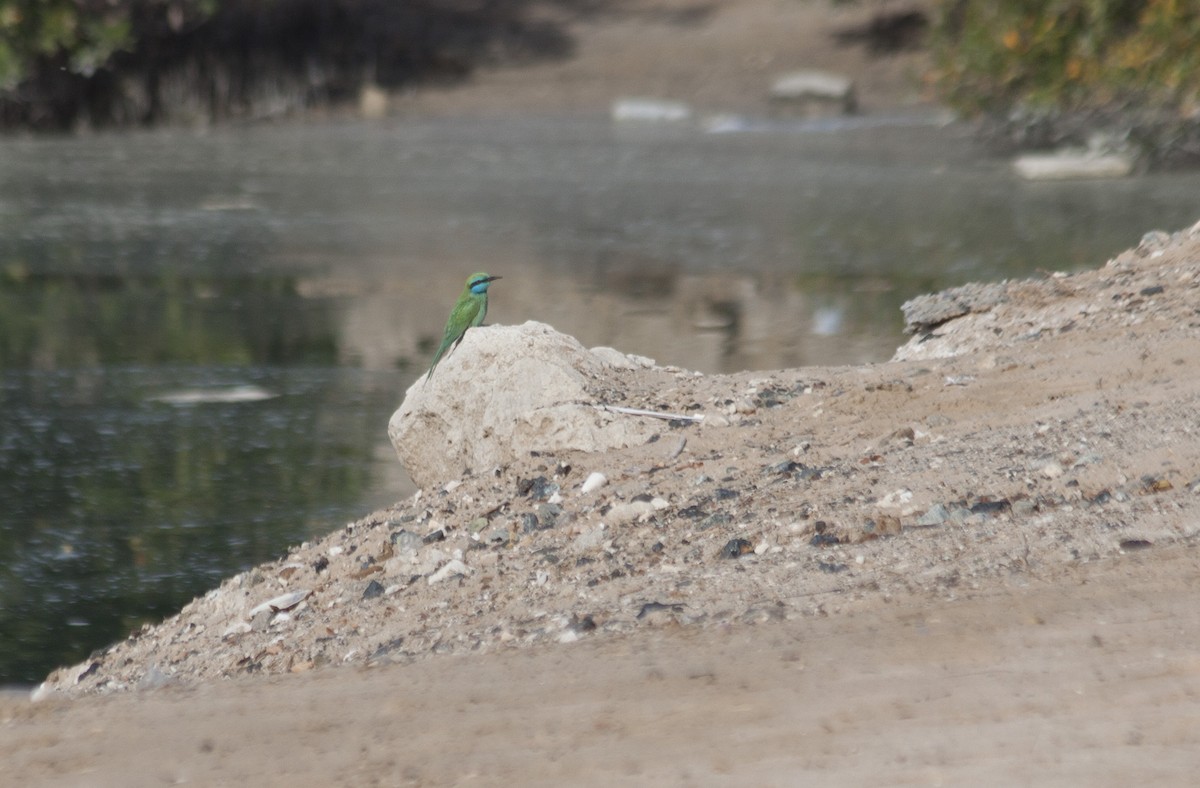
x=202 y=335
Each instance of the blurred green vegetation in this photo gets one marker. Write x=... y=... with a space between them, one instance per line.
x=126 y=62
x=1068 y=55
x=81 y=36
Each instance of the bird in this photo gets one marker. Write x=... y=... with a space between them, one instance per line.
x=468 y=312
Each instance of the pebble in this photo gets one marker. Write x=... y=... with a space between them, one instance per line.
x=406 y=541
x=658 y=612
x=282 y=602
x=539 y=489
x=935 y=515
x=373 y=589
x=628 y=512
x=236 y=628
x=452 y=568
x=896 y=499
x=736 y=548
x=1024 y=507
x=589 y=539
x=594 y=481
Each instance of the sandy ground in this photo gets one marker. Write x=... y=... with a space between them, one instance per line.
x=975 y=564
x=1089 y=680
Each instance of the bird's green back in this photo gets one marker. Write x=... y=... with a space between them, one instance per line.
x=469 y=311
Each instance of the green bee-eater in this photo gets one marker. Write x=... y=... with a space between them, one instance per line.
x=468 y=312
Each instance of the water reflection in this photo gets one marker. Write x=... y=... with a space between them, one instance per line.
x=150 y=282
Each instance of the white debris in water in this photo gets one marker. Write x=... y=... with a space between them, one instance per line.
x=224 y=395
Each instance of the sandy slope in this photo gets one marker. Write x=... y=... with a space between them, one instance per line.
x=1089 y=680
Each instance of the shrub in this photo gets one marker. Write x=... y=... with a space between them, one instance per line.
x=1067 y=55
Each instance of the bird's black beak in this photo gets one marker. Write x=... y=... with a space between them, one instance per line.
x=493 y=278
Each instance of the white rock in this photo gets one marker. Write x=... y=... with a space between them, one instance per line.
x=811 y=87
x=236 y=628
x=225 y=395
x=649 y=109
x=1068 y=165
x=452 y=568
x=504 y=392
x=282 y=602
x=659 y=503
x=895 y=499
x=594 y=481
x=628 y=512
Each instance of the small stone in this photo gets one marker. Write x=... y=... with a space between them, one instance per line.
x=744 y=405
x=660 y=503
x=1024 y=507
x=1052 y=470
x=643 y=110
x=539 y=489
x=736 y=548
x=594 y=481
x=589 y=539
x=236 y=629
x=991 y=507
x=283 y=602
x=628 y=512
x=496 y=535
x=373 y=589
x=815 y=86
x=406 y=541
x=452 y=568
x=658 y=613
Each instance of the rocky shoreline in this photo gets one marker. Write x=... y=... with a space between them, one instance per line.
x=1028 y=429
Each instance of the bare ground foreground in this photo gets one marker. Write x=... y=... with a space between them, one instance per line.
x=973 y=565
